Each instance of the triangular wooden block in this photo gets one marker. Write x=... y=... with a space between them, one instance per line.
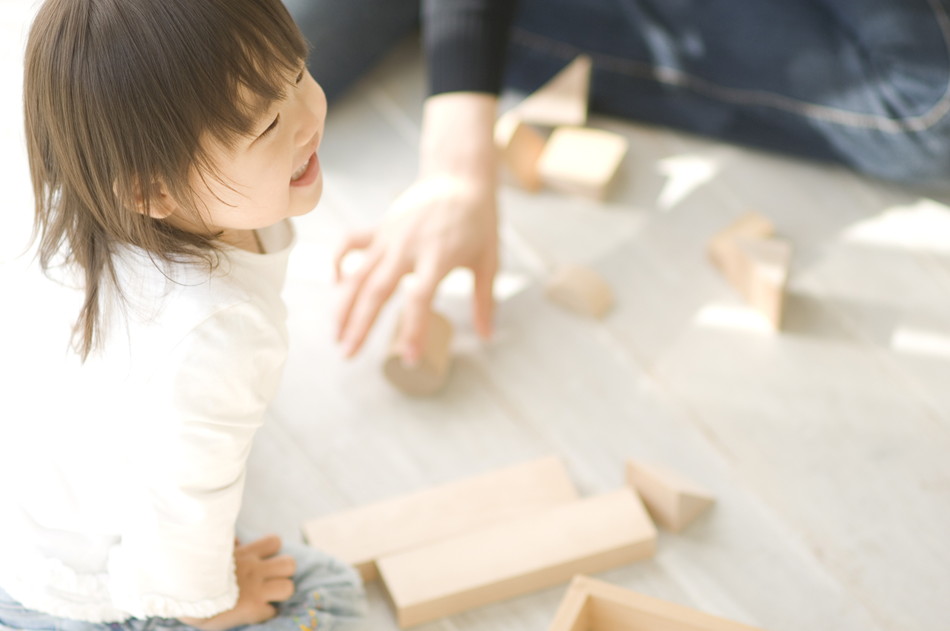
x=562 y=100
x=519 y=147
x=673 y=501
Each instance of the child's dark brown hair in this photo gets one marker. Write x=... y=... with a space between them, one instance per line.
x=120 y=95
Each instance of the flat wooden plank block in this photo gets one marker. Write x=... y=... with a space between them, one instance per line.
x=582 y=161
x=363 y=535
x=432 y=371
x=673 y=501
x=563 y=99
x=592 y=605
x=517 y=557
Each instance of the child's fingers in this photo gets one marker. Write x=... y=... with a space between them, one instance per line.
x=283 y=566
x=278 y=590
x=261 y=613
x=264 y=547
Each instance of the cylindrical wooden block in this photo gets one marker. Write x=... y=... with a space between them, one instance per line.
x=430 y=374
x=580 y=289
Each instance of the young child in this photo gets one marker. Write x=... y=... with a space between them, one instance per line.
x=169 y=142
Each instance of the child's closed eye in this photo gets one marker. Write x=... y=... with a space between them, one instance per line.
x=270 y=127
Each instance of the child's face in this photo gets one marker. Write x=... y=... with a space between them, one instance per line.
x=274 y=173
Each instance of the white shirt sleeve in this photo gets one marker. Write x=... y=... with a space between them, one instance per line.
x=176 y=554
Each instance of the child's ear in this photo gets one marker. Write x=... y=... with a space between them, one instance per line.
x=158 y=204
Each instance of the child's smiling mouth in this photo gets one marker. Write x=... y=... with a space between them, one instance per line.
x=306 y=174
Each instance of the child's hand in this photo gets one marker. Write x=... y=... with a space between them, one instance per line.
x=263 y=578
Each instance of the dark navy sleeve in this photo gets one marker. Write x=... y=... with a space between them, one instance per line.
x=466 y=42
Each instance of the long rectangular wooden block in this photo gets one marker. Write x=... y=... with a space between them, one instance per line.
x=518 y=557
x=592 y=605
x=363 y=535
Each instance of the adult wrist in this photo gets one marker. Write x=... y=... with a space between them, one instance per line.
x=458 y=135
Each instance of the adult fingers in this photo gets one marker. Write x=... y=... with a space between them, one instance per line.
x=484 y=299
x=418 y=305
x=373 y=295
x=351 y=292
x=358 y=240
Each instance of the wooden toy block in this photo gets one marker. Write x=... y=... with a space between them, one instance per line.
x=430 y=374
x=581 y=290
x=519 y=148
x=673 y=501
x=723 y=250
x=768 y=262
x=582 y=161
x=592 y=605
x=517 y=557
x=755 y=263
x=563 y=99
x=363 y=535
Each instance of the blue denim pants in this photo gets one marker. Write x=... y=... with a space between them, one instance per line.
x=864 y=83
x=329 y=596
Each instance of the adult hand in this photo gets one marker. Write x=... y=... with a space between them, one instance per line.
x=263 y=578
x=448 y=218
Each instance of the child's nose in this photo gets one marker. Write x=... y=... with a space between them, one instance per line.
x=314 y=111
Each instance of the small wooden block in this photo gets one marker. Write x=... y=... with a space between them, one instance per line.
x=673 y=501
x=722 y=247
x=519 y=148
x=582 y=161
x=518 y=557
x=768 y=262
x=363 y=535
x=563 y=99
x=755 y=263
x=592 y=605
x=432 y=371
x=581 y=290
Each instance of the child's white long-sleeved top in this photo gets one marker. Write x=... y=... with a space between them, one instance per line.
x=119 y=490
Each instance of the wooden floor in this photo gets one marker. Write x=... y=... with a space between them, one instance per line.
x=828 y=446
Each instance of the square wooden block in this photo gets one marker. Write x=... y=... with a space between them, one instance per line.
x=582 y=161
x=592 y=605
